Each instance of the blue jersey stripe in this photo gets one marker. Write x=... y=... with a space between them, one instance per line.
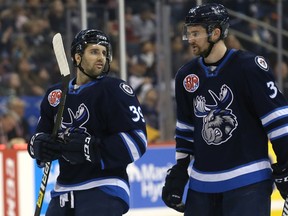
x=218 y=182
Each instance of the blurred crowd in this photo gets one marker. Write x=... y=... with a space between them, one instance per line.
x=28 y=66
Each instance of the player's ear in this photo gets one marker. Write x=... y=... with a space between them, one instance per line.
x=216 y=33
x=78 y=58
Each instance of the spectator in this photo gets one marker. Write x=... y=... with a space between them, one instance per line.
x=283 y=72
x=150 y=107
x=57 y=17
x=150 y=112
x=63 y=18
x=142 y=74
x=178 y=57
x=143 y=23
x=138 y=78
x=17 y=106
x=7 y=124
x=148 y=57
x=29 y=78
x=20 y=49
x=232 y=42
x=11 y=85
x=130 y=34
x=34 y=9
x=38 y=38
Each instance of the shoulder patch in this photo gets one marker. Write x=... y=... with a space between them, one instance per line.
x=191 y=82
x=54 y=97
x=260 y=61
x=127 y=89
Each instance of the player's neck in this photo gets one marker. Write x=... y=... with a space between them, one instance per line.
x=82 y=79
x=218 y=51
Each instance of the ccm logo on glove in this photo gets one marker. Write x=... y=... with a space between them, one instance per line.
x=280 y=176
x=79 y=147
x=280 y=180
x=86 y=149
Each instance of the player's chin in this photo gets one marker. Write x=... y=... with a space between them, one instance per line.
x=97 y=72
x=195 y=50
x=98 y=69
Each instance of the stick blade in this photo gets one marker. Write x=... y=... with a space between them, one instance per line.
x=60 y=54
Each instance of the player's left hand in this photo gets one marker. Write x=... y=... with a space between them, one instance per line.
x=44 y=147
x=280 y=176
x=173 y=190
x=78 y=147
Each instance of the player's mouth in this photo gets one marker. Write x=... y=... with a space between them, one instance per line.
x=99 y=65
x=194 y=48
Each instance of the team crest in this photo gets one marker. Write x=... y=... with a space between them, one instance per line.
x=54 y=97
x=77 y=118
x=260 y=61
x=191 y=82
x=218 y=120
x=127 y=89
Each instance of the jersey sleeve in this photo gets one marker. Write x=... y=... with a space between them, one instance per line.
x=184 y=123
x=48 y=109
x=127 y=139
x=270 y=105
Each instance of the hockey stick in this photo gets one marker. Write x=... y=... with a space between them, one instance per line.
x=65 y=76
x=285 y=207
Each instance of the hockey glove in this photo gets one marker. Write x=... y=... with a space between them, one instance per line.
x=44 y=148
x=173 y=189
x=78 y=147
x=280 y=176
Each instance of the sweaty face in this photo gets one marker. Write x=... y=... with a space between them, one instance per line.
x=94 y=59
x=198 y=39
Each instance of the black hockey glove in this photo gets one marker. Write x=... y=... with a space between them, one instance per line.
x=280 y=176
x=44 y=148
x=78 y=147
x=173 y=189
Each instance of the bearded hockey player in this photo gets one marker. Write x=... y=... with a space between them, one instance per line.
x=228 y=108
x=102 y=131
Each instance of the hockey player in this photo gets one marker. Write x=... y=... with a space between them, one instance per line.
x=102 y=131
x=228 y=107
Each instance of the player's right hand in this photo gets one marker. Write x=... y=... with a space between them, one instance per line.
x=280 y=176
x=44 y=148
x=79 y=147
x=173 y=189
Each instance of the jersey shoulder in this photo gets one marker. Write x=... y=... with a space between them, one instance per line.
x=54 y=87
x=53 y=95
x=250 y=61
x=117 y=87
x=187 y=68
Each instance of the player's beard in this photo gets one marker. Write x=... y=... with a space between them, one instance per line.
x=94 y=70
x=197 y=51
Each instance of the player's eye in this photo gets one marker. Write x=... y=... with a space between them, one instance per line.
x=94 y=52
x=104 y=53
x=193 y=34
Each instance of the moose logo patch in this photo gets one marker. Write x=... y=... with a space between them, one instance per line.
x=218 y=120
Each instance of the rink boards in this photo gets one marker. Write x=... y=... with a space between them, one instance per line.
x=20 y=181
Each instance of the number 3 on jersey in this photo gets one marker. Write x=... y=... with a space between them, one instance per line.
x=271 y=86
x=137 y=112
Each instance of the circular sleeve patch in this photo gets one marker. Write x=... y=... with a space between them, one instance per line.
x=54 y=97
x=260 y=61
x=127 y=89
x=191 y=82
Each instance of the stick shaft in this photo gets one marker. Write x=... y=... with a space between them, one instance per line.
x=65 y=73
